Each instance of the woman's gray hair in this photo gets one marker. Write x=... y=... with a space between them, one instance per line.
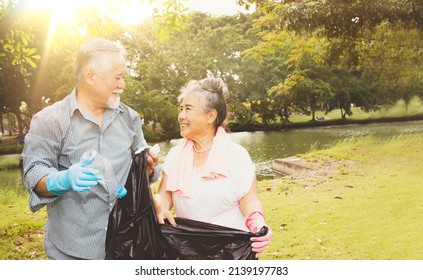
x=91 y=54
x=215 y=93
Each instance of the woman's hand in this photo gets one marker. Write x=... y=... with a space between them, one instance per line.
x=261 y=243
x=254 y=222
x=165 y=214
x=162 y=211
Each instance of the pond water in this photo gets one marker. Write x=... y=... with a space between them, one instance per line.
x=264 y=147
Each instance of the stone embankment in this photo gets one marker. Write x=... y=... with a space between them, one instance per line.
x=291 y=165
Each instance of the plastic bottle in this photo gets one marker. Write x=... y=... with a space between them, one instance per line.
x=106 y=169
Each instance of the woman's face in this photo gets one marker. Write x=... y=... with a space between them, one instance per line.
x=193 y=120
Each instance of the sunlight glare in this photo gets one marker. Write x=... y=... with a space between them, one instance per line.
x=127 y=12
x=61 y=10
x=133 y=12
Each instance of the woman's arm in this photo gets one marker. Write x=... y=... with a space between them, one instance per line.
x=252 y=209
x=163 y=203
x=251 y=202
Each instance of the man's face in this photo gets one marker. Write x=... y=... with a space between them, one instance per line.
x=110 y=82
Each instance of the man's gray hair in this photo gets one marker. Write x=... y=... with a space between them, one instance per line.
x=91 y=54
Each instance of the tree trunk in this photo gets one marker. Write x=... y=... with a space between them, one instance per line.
x=342 y=112
x=20 y=122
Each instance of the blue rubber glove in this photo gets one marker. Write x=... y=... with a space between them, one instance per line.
x=78 y=177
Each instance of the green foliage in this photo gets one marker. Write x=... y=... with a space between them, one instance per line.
x=349 y=90
x=392 y=62
x=208 y=46
x=32 y=40
x=240 y=114
x=286 y=57
x=17 y=45
x=173 y=18
x=362 y=45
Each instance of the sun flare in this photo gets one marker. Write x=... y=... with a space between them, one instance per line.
x=125 y=12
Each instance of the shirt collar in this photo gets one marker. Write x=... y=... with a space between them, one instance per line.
x=75 y=106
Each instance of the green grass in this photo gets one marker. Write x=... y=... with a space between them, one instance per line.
x=21 y=234
x=9 y=163
x=369 y=207
x=363 y=203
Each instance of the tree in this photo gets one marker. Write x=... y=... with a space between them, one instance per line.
x=392 y=62
x=347 y=32
x=309 y=93
x=35 y=55
x=17 y=59
x=208 y=46
x=350 y=91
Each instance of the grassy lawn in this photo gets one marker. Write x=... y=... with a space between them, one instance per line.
x=21 y=234
x=363 y=203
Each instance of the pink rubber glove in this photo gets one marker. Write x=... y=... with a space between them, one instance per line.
x=254 y=222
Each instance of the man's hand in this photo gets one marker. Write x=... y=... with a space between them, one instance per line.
x=153 y=159
x=79 y=177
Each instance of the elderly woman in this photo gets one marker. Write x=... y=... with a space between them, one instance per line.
x=208 y=177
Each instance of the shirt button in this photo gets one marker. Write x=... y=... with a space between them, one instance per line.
x=105 y=228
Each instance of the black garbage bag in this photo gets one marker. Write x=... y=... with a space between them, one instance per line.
x=133 y=231
x=195 y=240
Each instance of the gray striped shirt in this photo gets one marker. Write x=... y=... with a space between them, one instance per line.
x=58 y=136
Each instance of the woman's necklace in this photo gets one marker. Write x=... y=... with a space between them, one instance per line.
x=203 y=151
